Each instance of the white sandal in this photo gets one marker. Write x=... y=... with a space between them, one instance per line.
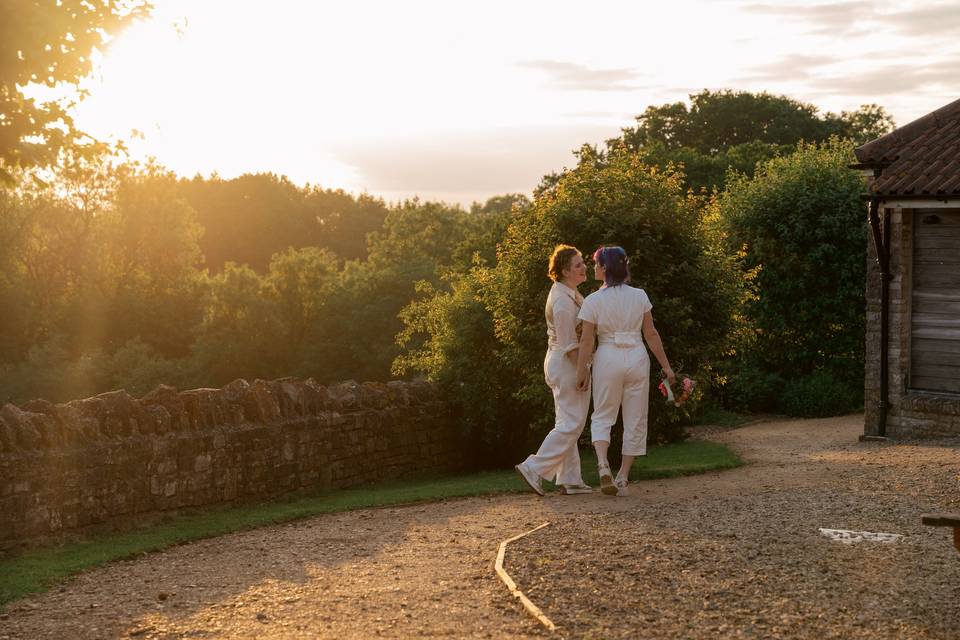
x=622 y=490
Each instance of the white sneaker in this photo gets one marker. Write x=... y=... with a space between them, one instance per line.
x=529 y=477
x=622 y=490
x=573 y=489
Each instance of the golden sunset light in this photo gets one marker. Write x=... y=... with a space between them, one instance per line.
x=459 y=102
x=506 y=319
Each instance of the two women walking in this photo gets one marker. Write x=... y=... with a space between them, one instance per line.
x=618 y=317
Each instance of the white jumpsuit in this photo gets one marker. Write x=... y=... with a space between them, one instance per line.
x=621 y=366
x=558 y=458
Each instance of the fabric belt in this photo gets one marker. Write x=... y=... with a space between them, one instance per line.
x=623 y=339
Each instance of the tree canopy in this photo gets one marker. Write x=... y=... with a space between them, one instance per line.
x=716 y=121
x=723 y=130
x=798 y=230
x=49 y=44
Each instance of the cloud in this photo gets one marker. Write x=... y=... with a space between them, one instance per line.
x=892 y=79
x=835 y=18
x=883 y=73
x=570 y=76
x=795 y=67
x=938 y=20
x=467 y=166
x=861 y=18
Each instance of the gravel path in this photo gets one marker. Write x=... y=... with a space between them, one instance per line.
x=734 y=554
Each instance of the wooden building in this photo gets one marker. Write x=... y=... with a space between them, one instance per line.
x=913 y=279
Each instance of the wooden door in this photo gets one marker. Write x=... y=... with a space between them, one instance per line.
x=935 y=321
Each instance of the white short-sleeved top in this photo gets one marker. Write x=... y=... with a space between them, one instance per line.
x=563 y=304
x=616 y=310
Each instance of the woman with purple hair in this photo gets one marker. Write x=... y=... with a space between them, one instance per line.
x=619 y=317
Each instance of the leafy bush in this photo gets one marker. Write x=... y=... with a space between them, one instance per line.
x=818 y=395
x=799 y=229
x=449 y=337
x=748 y=388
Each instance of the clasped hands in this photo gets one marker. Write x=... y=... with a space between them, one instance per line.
x=583 y=377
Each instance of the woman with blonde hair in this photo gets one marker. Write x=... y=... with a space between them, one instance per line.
x=558 y=458
x=620 y=318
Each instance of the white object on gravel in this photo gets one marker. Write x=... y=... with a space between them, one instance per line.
x=849 y=537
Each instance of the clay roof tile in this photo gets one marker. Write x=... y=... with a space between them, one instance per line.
x=920 y=158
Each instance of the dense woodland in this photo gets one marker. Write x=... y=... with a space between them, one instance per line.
x=738 y=212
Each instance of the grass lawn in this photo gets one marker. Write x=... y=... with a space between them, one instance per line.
x=722 y=418
x=36 y=570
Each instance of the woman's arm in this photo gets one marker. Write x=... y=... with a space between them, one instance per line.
x=565 y=323
x=587 y=336
x=652 y=337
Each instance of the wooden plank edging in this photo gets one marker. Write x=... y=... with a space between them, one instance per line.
x=533 y=609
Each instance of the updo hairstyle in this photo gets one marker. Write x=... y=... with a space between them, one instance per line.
x=614 y=261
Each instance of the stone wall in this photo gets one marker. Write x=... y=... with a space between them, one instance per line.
x=112 y=459
x=910 y=413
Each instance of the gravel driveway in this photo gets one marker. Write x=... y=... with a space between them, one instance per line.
x=735 y=554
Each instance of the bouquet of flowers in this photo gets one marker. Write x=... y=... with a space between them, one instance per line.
x=685 y=386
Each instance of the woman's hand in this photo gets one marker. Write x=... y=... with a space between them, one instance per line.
x=583 y=380
x=671 y=376
x=585 y=354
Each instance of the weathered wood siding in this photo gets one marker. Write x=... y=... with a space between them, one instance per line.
x=935 y=308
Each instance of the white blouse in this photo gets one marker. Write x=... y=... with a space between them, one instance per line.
x=563 y=305
x=617 y=313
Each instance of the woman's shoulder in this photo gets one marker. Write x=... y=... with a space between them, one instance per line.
x=595 y=295
x=561 y=296
x=639 y=294
x=592 y=299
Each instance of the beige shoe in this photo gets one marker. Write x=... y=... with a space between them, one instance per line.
x=606 y=480
x=573 y=489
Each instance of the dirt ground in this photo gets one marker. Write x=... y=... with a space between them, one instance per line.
x=733 y=554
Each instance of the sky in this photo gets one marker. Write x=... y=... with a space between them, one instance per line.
x=459 y=101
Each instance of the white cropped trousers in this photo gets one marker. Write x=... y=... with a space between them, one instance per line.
x=621 y=378
x=558 y=458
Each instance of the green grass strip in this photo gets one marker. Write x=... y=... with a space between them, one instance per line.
x=36 y=570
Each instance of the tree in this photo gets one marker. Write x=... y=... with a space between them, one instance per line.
x=723 y=130
x=250 y=218
x=302 y=284
x=49 y=43
x=236 y=338
x=867 y=123
x=149 y=254
x=799 y=230
x=419 y=241
x=718 y=120
x=49 y=235
x=448 y=336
